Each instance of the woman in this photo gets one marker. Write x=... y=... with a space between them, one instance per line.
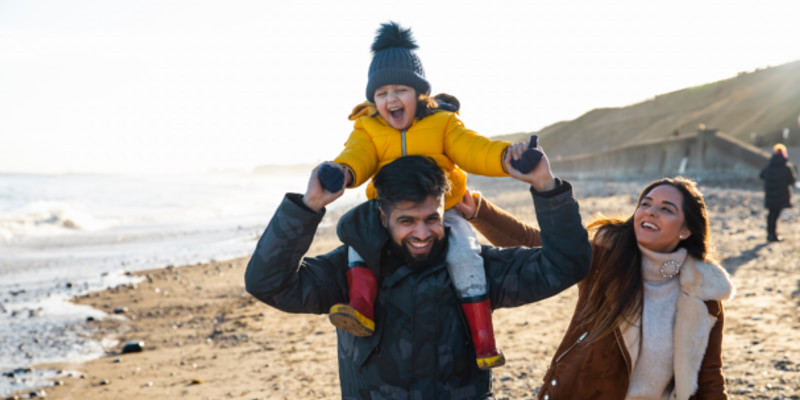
x=778 y=177
x=648 y=322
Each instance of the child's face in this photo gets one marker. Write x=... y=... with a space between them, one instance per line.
x=397 y=104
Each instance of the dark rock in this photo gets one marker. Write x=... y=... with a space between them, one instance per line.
x=134 y=346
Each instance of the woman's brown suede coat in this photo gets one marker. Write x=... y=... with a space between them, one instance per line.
x=501 y=228
x=601 y=370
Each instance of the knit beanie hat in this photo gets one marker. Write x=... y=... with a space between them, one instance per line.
x=394 y=61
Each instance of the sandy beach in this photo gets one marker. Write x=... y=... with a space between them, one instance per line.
x=206 y=338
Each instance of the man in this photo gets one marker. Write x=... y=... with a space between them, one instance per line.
x=421 y=347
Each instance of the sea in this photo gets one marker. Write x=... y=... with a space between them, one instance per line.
x=69 y=234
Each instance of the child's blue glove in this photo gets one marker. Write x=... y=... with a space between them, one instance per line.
x=331 y=178
x=530 y=157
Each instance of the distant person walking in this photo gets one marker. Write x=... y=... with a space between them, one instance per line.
x=779 y=175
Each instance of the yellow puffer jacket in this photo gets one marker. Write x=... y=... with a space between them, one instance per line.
x=441 y=136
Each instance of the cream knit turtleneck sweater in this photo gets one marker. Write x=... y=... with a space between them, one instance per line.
x=651 y=348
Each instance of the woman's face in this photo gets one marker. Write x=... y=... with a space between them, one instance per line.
x=397 y=104
x=659 y=222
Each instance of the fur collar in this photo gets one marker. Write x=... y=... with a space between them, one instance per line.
x=706 y=281
x=700 y=281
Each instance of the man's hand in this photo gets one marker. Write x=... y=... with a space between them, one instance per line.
x=316 y=197
x=541 y=178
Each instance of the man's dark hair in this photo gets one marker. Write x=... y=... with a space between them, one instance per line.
x=410 y=178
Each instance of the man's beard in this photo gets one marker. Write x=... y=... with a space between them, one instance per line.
x=420 y=262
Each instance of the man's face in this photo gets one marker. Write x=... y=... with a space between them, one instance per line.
x=417 y=228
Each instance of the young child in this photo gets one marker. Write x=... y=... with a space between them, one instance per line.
x=400 y=118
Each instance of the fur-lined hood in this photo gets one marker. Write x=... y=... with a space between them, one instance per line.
x=443 y=102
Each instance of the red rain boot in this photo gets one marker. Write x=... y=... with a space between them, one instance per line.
x=479 y=317
x=358 y=316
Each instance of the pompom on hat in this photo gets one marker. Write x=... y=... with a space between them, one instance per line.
x=394 y=61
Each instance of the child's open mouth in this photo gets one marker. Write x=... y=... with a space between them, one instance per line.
x=398 y=113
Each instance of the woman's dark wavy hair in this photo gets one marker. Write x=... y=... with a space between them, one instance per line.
x=614 y=291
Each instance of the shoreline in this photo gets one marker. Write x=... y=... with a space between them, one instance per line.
x=204 y=337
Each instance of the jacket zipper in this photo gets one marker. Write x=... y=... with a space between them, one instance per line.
x=403 y=139
x=580 y=339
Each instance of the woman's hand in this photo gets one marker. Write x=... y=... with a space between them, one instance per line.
x=467 y=206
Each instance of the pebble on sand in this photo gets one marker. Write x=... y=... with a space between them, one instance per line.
x=134 y=346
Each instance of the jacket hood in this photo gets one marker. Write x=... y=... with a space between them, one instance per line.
x=361 y=229
x=365 y=109
x=446 y=103
x=777 y=159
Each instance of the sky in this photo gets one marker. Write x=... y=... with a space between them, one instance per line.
x=112 y=86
